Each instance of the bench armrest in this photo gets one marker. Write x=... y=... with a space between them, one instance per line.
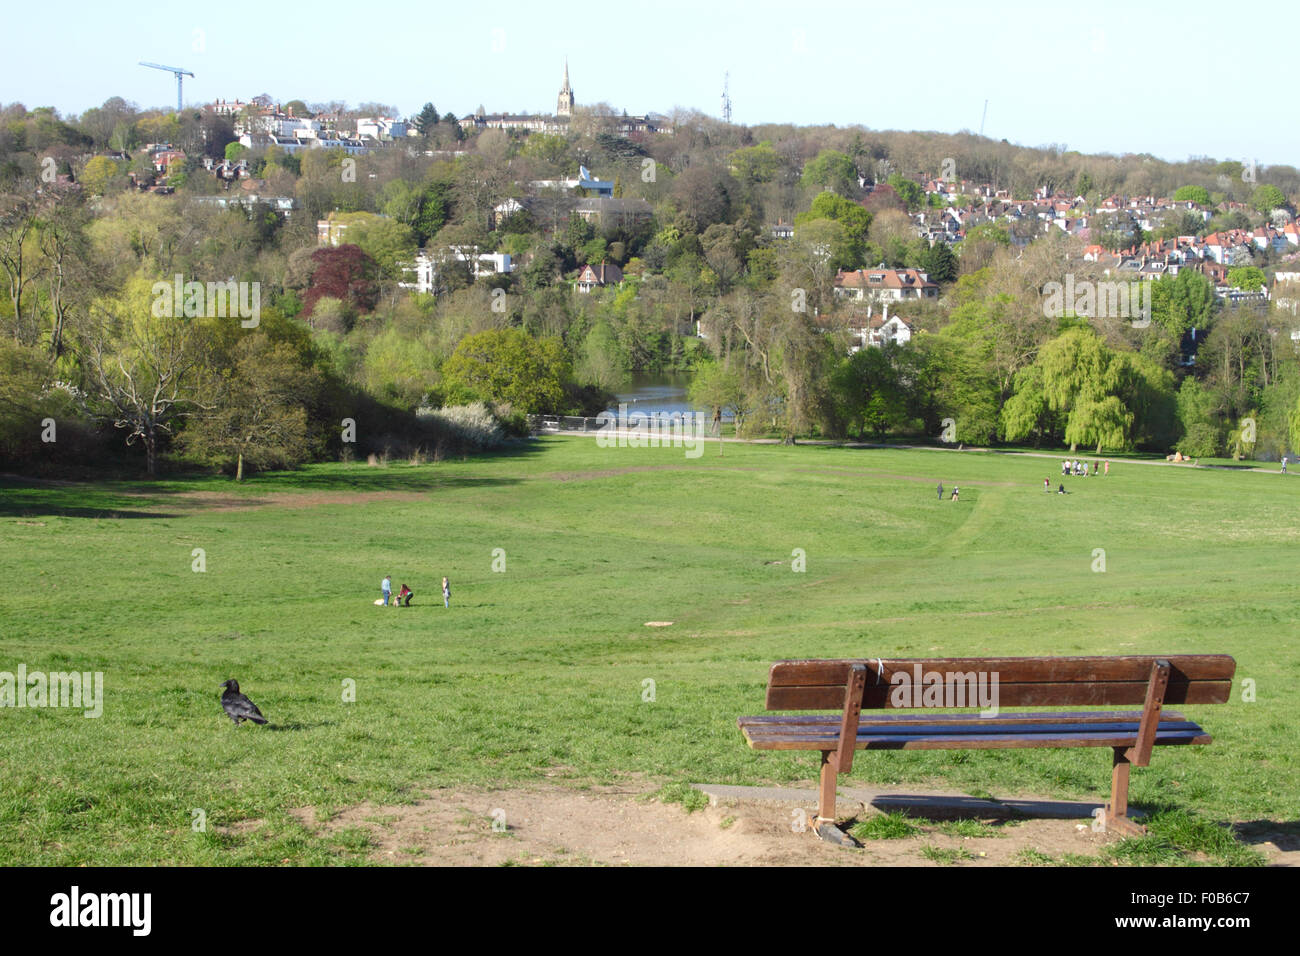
x=853 y=691
x=1140 y=753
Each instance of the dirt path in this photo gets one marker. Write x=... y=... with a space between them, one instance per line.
x=1057 y=456
x=624 y=826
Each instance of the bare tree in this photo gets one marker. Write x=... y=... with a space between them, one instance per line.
x=18 y=223
x=143 y=371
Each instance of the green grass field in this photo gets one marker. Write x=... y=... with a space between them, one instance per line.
x=542 y=667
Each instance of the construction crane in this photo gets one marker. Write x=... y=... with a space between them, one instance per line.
x=179 y=74
x=726 y=97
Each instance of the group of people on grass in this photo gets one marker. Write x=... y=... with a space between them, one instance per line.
x=955 y=492
x=1076 y=466
x=405 y=594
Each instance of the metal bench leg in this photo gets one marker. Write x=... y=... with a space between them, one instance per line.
x=1117 y=818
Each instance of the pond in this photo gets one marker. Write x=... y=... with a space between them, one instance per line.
x=656 y=393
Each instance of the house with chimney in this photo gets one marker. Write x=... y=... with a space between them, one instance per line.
x=877 y=328
x=592 y=277
x=885 y=285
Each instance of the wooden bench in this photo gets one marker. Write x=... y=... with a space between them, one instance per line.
x=851 y=686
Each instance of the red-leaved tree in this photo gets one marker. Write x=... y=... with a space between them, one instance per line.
x=345 y=273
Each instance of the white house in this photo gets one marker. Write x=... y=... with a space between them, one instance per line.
x=483 y=264
x=879 y=330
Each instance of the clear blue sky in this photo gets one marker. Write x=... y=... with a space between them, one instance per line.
x=1195 y=78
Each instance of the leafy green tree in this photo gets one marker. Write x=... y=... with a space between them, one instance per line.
x=547 y=147
x=1182 y=302
x=832 y=170
x=1279 y=397
x=1202 y=433
x=1027 y=412
x=1197 y=194
x=601 y=362
x=961 y=383
x=1246 y=278
x=753 y=165
x=259 y=414
x=868 y=391
x=143 y=371
x=988 y=232
x=908 y=190
x=401 y=364
x=24 y=376
x=855 y=221
x=508 y=365
x=400 y=200
x=1078 y=381
x=1267 y=198
x=235 y=151
x=100 y=171
x=434 y=211
x=1146 y=389
x=1101 y=420
x=1294 y=419
x=719 y=389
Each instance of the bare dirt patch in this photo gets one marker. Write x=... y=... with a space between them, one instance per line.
x=624 y=826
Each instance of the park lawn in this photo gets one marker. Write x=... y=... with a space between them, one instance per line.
x=545 y=668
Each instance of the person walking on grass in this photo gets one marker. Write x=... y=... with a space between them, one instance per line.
x=446 y=593
x=1107 y=472
x=954 y=493
x=1284 y=464
x=941 y=491
x=387 y=587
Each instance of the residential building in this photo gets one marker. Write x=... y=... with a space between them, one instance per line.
x=482 y=265
x=885 y=285
x=597 y=277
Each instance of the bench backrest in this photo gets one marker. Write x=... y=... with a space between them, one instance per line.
x=1021 y=681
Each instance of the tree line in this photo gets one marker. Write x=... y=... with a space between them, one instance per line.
x=707 y=287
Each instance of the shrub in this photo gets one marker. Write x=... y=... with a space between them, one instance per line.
x=472 y=427
x=1201 y=441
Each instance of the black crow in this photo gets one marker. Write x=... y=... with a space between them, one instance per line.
x=237 y=706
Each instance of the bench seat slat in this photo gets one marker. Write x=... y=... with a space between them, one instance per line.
x=987 y=729
x=934 y=717
x=920 y=740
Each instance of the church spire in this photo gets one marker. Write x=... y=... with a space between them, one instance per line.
x=564 y=105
